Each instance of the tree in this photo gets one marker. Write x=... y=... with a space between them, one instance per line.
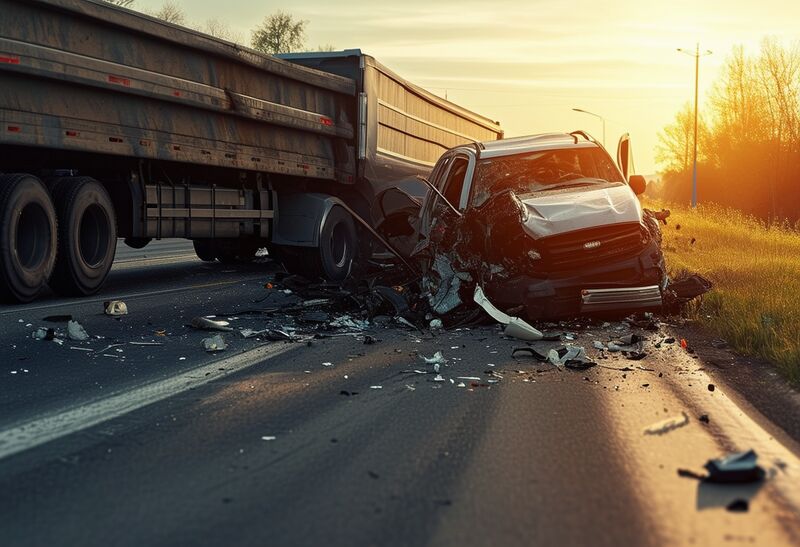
x=171 y=12
x=279 y=33
x=221 y=30
x=675 y=141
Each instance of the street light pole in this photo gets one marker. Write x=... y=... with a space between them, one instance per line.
x=696 y=56
x=596 y=116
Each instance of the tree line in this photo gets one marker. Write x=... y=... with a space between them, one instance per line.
x=748 y=137
x=278 y=33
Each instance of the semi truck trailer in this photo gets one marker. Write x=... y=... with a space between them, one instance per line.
x=114 y=124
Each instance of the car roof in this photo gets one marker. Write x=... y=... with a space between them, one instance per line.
x=533 y=143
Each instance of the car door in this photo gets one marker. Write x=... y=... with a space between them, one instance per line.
x=624 y=156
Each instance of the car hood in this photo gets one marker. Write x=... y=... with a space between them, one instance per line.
x=579 y=208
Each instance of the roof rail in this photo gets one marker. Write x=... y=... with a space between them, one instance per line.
x=584 y=134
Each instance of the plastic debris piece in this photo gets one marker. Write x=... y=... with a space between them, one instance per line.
x=115 y=308
x=268 y=438
x=684 y=344
x=461 y=384
x=471 y=378
x=539 y=356
x=81 y=349
x=437 y=358
x=327 y=364
x=406 y=322
x=410 y=387
x=75 y=331
x=438 y=378
x=44 y=334
x=250 y=333
x=738 y=467
x=560 y=358
x=204 y=323
x=665 y=426
x=436 y=324
x=214 y=343
x=598 y=345
x=515 y=327
x=376 y=387
x=436 y=367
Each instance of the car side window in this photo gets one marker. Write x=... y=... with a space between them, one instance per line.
x=439 y=171
x=605 y=168
x=455 y=181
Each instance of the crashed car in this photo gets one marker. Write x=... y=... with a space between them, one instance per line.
x=548 y=225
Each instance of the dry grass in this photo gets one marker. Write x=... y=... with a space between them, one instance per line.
x=755 y=304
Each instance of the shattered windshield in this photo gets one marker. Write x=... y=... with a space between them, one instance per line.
x=542 y=170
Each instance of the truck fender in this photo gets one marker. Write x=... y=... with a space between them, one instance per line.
x=299 y=218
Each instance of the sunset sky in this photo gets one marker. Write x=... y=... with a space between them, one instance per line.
x=528 y=63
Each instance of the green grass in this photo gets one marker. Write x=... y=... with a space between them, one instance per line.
x=755 y=303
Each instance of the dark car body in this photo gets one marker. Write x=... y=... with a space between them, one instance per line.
x=547 y=225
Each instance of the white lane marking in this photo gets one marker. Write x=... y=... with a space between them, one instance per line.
x=77 y=302
x=146 y=261
x=43 y=429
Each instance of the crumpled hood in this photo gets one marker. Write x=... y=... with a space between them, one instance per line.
x=580 y=208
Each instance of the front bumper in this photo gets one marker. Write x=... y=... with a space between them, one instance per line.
x=600 y=300
x=633 y=284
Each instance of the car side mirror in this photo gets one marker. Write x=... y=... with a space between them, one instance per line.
x=637 y=184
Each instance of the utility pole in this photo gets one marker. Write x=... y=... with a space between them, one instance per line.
x=696 y=56
x=596 y=116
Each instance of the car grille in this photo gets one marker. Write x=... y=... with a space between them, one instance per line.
x=593 y=247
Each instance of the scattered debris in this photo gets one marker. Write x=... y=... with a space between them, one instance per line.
x=539 y=356
x=711 y=387
x=436 y=324
x=115 y=308
x=268 y=438
x=670 y=424
x=75 y=331
x=735 y=468
x=438 y=378
x=44 y=334
x=214 y=343
x=204 y=323
x=515 y=327
x=570 y=356
x=437 y=359
x=704 y=418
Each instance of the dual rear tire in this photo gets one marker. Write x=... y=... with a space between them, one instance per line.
x=66 y=237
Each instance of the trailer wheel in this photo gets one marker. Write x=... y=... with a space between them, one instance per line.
x=204 y=249
x=27 y=237
x=87 y=236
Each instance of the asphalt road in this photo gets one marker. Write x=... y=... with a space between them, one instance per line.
x=342 y=443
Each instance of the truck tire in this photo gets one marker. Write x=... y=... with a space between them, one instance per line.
x=333 y=259
x=338 y=245
x=28 y=231
x=204 y=249
x=87 y=236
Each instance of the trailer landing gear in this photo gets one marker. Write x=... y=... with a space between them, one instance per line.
x=27 y=237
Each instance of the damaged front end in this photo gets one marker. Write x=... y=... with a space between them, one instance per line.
x=611 y=261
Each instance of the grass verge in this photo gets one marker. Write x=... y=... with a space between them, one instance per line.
x=755 y=303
